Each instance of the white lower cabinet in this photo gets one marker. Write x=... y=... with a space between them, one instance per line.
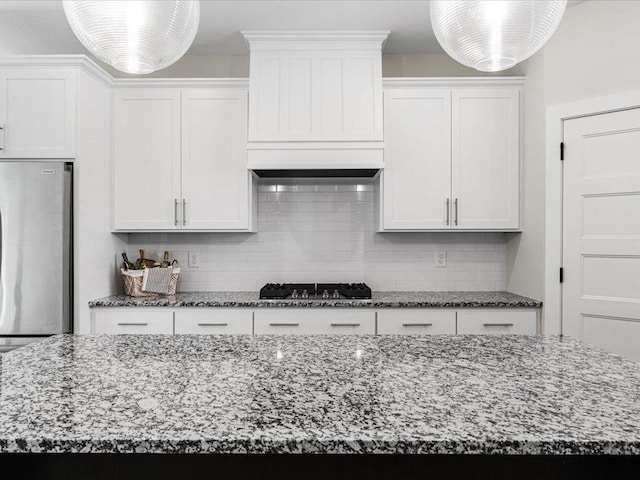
x=214 y=321
x=303 y=321
x=132 y=320
x=492 y=321
x=416 y=321
x=309 y=321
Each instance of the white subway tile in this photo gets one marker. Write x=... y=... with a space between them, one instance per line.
x=323 y=230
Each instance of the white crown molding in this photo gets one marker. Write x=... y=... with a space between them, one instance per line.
x=315 y=40
x=239 y=83
x=413 y=82
x=79 y=61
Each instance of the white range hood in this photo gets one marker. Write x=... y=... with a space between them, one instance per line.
x=315 y=100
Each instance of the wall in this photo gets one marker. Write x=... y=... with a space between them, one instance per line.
x=323 y=230
x=594 y=52
x=195 y=66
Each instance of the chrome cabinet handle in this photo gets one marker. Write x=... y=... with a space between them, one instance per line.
x=447 y=211
x=213 y=324
x=184 y=211
x=497 y=324
x=175 y=212
x=417 y=324
x=345 y=324
x=455 y=205
x=284 y=324
x=133 y=324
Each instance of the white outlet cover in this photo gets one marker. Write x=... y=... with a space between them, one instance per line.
x=441 y=259
x=194 y=259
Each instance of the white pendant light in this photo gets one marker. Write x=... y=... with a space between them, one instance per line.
x=135 y=36
x=493 y=35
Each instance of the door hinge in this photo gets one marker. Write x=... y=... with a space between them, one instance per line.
x=561 y=275
x=561 y=151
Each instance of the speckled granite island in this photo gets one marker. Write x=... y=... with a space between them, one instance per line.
x=194 y=394
x=379 y=300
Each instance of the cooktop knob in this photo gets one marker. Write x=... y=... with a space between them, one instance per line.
x=325 y=294
x=305 y=294
x=335 y=294
x=295 y=294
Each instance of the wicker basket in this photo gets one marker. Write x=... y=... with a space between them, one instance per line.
x=132 y=281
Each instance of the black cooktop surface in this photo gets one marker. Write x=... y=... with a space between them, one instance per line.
x=315 y=291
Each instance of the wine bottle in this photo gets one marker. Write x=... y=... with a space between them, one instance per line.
x=165 y=260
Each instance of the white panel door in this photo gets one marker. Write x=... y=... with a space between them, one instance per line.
x=417 y=159
x=146 y=188
x=215 y=179
x=601 y=231
x=37 y=113
x=485 y=156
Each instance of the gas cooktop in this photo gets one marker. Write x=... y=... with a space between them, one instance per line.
x=315 y=291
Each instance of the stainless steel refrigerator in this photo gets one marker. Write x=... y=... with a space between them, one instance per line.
x=35 y=251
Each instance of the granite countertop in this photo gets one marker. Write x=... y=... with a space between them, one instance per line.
x=305 y=394
x=379 y=300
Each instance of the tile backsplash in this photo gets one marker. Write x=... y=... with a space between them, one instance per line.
x=315 y=230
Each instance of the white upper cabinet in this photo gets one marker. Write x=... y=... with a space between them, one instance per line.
x=180 y=160
x=319 y=88
x=416 y=182
x=452 y=155
x=215 y=186
x=37 y=112
x=147 y=159
x=485 y=156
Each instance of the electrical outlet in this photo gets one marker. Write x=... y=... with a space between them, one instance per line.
x=441 y=259
x=194 y=259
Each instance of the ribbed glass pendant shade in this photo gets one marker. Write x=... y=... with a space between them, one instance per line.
x=493 y=35
x=135 y=36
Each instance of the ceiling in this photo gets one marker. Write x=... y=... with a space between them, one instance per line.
x=40 y=27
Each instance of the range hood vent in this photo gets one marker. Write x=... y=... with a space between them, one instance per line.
x=315 y=101
x=319 y=173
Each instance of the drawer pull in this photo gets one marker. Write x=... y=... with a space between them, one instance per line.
x=497 y=324
x=213 y=324
x=125 y=324
x=417 y=324
x=284 y=324
x=345 y=324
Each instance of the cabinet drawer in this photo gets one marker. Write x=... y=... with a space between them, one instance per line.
x=123 y=320
x=493 y=322
x=212 y=321
x=308 y=321
x=422 y=321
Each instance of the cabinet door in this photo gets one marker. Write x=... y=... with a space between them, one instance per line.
x=416 y=321
x=214 y=321
x=417 y=159
x=128 y=320
x=146 y=181
x=314 y=321
x=485 y=158
x=496 y=322
x=215 y=179
x=37 y=113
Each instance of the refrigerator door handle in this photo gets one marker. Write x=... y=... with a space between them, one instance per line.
x=2 y=135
